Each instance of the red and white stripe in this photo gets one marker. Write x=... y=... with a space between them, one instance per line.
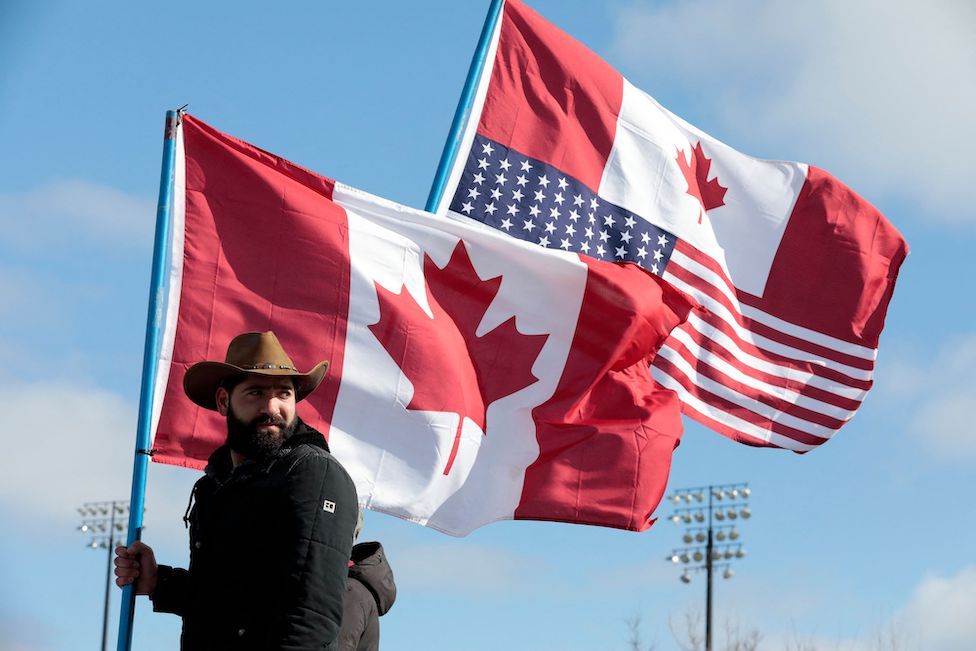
x=751 y=375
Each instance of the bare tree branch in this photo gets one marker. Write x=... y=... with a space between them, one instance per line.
x=692 y=639
x=736 y=640
x=795 y=643
x=634 y=642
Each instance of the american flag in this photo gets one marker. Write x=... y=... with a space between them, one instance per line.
x=535 y=202
x=738 y=369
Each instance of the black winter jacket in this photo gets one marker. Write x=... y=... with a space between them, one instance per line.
x=370 y=593
x=269 y=548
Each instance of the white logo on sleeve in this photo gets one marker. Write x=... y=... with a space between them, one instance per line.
x=329 y=506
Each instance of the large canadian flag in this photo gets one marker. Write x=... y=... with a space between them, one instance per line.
x=473 y=377
x=791 y=270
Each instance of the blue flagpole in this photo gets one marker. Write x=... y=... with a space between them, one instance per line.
x=463 y=110
x=154 y=325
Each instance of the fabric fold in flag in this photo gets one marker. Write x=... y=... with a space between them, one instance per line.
x=792 y=271
x=473 y=377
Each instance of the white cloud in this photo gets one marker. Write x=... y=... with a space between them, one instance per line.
x=25 y=295
x=461 y=567
x=880 y=93
x=936 y=617
x=945 y=422
x=633 y=576
x=67 y=443
x=14 y=290
x=77 y=436
x=940 y=612
x=937 y=391
x=23 y=633
x=63 y=211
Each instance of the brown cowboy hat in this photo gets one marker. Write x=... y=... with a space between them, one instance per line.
x=255 y=353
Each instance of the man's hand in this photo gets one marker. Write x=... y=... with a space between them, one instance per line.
x=137 y=565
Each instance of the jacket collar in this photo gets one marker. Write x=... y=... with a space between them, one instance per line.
x=220 y=466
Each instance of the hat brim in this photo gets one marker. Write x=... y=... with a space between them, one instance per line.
x=204 y=378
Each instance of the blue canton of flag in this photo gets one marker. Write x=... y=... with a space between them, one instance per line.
x=535 y=202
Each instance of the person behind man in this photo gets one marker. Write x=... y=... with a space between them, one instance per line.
x=272 y=519
x=370 y=593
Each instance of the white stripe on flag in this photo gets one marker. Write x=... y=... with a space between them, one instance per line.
x=759 y=341
x=723 y=285
x=170 y=301
x=747 y=402
x=727 y=419
x=782 y=393
x=765 y=366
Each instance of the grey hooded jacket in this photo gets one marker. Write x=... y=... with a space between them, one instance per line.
x=370 y=593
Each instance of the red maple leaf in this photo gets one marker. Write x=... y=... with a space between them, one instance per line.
x=710 y=194
x=453 y=369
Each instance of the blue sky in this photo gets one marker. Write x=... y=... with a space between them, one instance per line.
x=868 y=536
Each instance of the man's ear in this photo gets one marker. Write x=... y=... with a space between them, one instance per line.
x=223 y=400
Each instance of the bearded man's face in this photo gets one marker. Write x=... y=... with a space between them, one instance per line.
x=260 y=415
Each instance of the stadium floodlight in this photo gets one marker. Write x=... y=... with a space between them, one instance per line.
x=99 y=521
x=711 y=535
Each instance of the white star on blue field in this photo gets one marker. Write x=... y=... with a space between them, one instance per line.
x=568 y=216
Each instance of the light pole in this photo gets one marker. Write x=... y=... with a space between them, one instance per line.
x=709 y=546
x=104 y=522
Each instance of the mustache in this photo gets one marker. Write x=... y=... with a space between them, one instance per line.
x=268 y=420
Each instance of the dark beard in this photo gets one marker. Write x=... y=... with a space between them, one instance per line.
x=246 y=439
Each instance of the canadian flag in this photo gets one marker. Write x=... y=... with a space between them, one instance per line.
x=791 y=270
x=473 y=377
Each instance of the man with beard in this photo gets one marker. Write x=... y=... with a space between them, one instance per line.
x=271 y=522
